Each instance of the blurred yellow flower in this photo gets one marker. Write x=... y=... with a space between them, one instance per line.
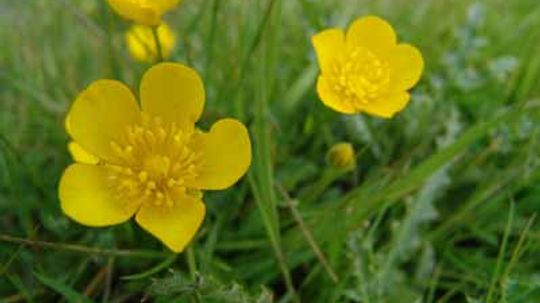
x=153 y=161
x=146 y=12
x=142 y=45
x=342 y=156
x=366 y=70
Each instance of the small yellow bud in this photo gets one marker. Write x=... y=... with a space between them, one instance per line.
x=342 y=156
x=142 y=45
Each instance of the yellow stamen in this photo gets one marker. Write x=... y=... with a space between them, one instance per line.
x=154 y=161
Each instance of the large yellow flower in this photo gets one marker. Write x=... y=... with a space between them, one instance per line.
x=142 y=45
x=146 y=12
x=152 y=161
x=366 y=70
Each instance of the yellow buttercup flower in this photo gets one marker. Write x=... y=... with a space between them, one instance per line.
x=154 y=162
x=142 y=45
x=146 y=12
x=366 y=70
x=341 y=156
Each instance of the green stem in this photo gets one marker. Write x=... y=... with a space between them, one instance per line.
x=315 y=190
x=158 y=44
x=192 y=263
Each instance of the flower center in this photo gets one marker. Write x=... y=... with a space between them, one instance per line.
x=360 y=76
x=154 y=162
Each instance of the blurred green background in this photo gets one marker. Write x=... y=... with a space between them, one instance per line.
x=441 y=206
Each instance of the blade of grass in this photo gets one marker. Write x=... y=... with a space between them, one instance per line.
x=300 y=87
x=110 y=25
x=40 y=97
x=67 y=292
x=502 y=251
x=251 y=47
x=5 y=266
x=210 y=41
x=24 y=292
x=519 y=248
x=266 y=207
x=261 y=177
x=433 y=285
x=417 y=176
x=484 y=193
x=82 y=17
x=152 y=271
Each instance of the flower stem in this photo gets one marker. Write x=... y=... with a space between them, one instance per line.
x=158 y=44
x=192 y=263
x=315 y=190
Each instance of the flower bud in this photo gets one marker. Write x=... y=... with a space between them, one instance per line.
x=342 y=156
x=142 y=44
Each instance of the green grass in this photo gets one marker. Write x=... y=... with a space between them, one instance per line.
x=441 y=207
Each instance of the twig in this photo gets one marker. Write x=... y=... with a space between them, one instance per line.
x=6 y=265
x=307 y=234
x=85 y=249
x=95 y=282
x=20 y=297
x=108 y=280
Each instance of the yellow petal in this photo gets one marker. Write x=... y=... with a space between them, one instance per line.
x=100 y=115
x=407 y=65
x=328 y=44
x=225 y=155
x=175 y=226
x=142 y=46
x=173 y=92
x=331 y=99
x=165 y=5
x=80 y=155
x=147 y=12
x=386 y=107
x=67 y=124
x=372 y=32
x=86 y=197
